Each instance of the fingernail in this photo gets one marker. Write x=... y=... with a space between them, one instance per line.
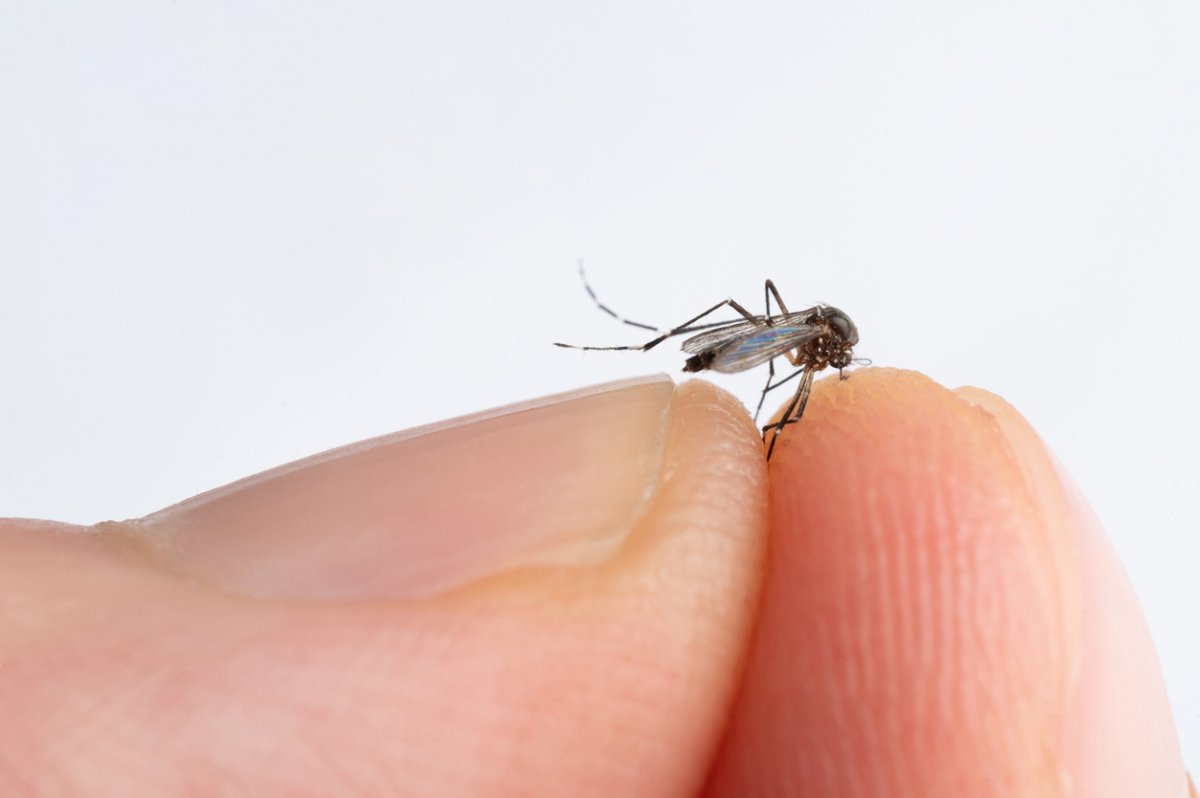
x=556 y=481
x=1118 y=737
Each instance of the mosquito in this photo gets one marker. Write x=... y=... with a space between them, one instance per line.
x=811 y=340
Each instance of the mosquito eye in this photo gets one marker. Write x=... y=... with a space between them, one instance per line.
x=844 y=328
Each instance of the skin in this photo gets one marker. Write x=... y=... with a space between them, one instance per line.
x=600 y=594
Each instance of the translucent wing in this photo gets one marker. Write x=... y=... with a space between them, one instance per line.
x=706 y=342
x=732 y=330
x=759 y=346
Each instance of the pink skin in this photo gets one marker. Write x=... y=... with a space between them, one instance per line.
x=592 y=595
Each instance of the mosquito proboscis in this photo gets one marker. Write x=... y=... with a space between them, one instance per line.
x=811 y=340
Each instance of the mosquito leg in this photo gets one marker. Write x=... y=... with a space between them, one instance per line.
x=772 y=386
x=787 y=379
x=770 y=376
x=793 y=413
x=784 y=419
x=682 y=328
x=770 y=290
x=587 y=287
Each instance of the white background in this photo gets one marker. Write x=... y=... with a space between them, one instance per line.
x=233 y=234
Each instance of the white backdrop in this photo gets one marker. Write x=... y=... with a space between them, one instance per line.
x=235 y=234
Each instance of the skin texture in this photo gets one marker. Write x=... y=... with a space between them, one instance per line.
x=600 y=594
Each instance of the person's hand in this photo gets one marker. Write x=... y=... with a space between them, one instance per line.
x=593 y=596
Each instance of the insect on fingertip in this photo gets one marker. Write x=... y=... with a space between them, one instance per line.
x=811 y=340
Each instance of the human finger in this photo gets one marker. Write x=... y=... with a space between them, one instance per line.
x=551 y=599
x=942 y=615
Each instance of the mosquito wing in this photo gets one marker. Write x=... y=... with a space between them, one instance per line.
x=714 y=339
x=727 y=331
x=760 y=345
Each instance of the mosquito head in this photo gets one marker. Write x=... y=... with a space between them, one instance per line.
x=843 y=336
x=842 y=327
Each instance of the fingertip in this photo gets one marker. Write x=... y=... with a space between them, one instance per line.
x=922 y=613
x=1119 y=737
